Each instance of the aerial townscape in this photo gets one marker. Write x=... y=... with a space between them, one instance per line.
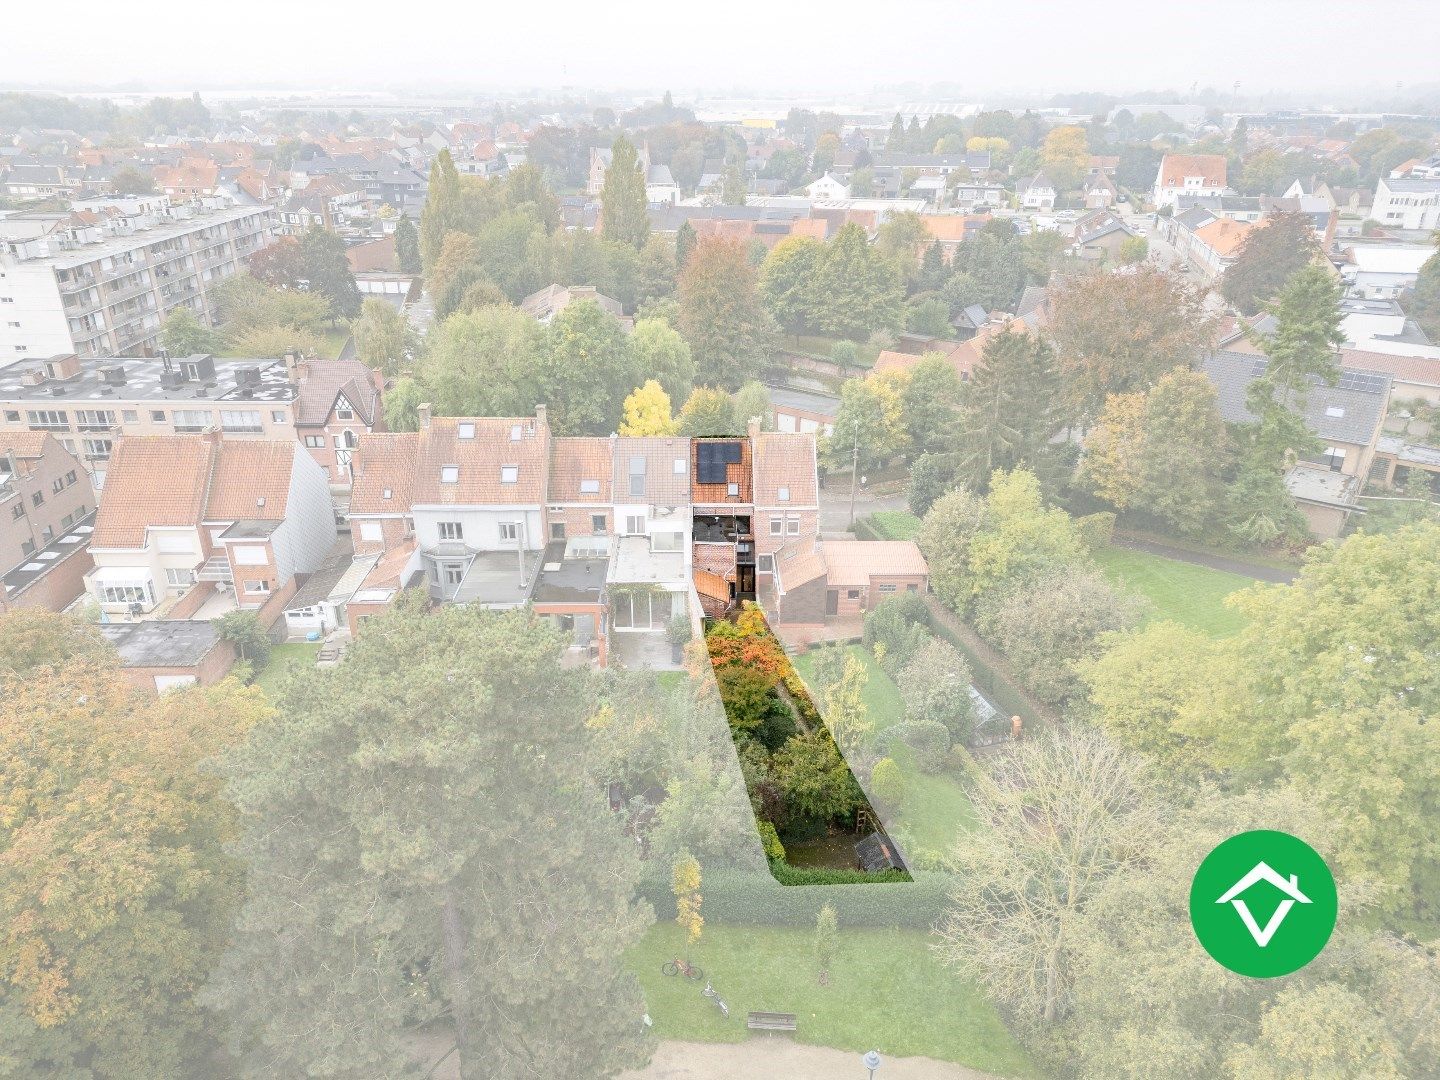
x=704 y=571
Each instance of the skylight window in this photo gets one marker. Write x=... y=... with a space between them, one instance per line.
x=515 y=432
x=509 y=474
x=449 y=474
x=589 y=487
x=1334 y=410
x=784 y=494
x=387 y=493
x=466 y=431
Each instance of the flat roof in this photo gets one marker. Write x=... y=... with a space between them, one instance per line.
x=1322 y=486
x=495 y=578
x=634 y=562
x=162 y=643
x=570 y=581
x=156 y=234
x=142 y=383
x=40 y=563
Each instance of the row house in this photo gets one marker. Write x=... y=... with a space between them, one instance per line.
x=90 y=403
x=192 y=521
x=611 y=537
x=1188 y=174
x=47 y=505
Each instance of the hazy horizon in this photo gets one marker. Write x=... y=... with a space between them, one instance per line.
x=848 y=51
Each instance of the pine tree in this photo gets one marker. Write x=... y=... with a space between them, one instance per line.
x=684 y=244
x=733 y=190
x=934 y=271
x=624 y=216
x=1010 y=411
x=859 y=290
x=407 y=246
x=895 y=141
x=420 y=829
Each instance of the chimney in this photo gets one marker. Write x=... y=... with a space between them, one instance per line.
x=422 y=414
x=541 y=422
x=753 y=429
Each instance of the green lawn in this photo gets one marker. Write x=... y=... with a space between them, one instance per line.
x=936 y=809
x=334 y=340
x=887 y=992
x=865 y=353
x=894 y=524
x=285 y=658
x=1183 y=592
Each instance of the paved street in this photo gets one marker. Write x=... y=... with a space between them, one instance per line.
x=835 y=506
x=773 y=1058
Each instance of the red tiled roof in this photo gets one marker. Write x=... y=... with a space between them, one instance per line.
x=573 y=462
x=788 y=461
x=1175 y=167
x=497 y=443
x=323 y=383
x=152 y=480
x=384 y=461
x=250 y=479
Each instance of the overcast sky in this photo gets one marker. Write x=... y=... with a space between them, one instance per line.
x=838 y=48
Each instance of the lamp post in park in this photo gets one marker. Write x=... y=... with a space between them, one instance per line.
x=871 y=1061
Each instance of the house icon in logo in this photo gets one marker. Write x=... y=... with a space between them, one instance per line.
x=1262 y=872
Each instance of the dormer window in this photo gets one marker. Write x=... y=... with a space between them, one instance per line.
x=509 y=474
x=450 y=474
x=589 y=487
x=465 y=431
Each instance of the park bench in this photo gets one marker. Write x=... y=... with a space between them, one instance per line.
x=770 y=1021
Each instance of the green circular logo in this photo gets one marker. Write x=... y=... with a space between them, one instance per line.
x=1263 y=904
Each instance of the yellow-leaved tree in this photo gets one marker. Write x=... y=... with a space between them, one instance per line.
x=647 y=411
x=685 y=884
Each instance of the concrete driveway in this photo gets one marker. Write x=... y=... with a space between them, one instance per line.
x=779 y=1058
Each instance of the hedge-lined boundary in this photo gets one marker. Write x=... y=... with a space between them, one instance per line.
x=863 y=530
x=1005 y=695
x=737 y=898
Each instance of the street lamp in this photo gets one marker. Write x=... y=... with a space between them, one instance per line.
x=871 y=1061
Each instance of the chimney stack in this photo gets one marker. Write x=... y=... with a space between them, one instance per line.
x=753 y=428
x=541 y=421
x=422 y=413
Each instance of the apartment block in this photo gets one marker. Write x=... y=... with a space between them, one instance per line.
x=100 y=278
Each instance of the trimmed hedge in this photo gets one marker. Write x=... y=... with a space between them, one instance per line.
x=786 y=874
x=738 y=898
x=990 y=683
x=863 y=530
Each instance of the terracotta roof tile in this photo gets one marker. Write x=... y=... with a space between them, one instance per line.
x=788 y=461
x=384 y=461
x=663 y=486
x=151 y=480
x=481 y=450
x=1175 y=167
x=250 y=480
x=851 y=563
x=23 y=444
x=581 y=470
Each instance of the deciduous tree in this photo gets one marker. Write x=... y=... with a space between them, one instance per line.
x=721 y=315
x=1269 y=256
x=384 y=339
x=647 y=412
x=623 y=209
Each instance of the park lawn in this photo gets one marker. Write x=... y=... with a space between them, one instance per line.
x=936 y=809
x=290 y=656
x=895 y=524
x=888 y=992
x=1180 y=591
x=865 y=353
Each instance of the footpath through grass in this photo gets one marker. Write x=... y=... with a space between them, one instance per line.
x=1180 y=591
x=936 y=809
x=887 y=992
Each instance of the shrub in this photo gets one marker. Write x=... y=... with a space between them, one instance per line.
x=737 y=898
x=1096 y=530
x=770 y=841
x=845 y=353
x=887 y=784
x=899 y=624
x=929 y=740
x=935 y=687
x=1051 y=621
x=248 y=633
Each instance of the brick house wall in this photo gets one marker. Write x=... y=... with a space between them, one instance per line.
x=393 y=531
x=213 y=667
x=57 y=588
x=577 y=520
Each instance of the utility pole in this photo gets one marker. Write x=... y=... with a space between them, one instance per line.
x=854 y=477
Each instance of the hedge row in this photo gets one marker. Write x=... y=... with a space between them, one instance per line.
x=864 y=530
x=738 y=898
x=786 y=874
x=989 y=682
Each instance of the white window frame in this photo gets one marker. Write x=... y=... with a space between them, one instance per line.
x=450 y=530
x=509 y=532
